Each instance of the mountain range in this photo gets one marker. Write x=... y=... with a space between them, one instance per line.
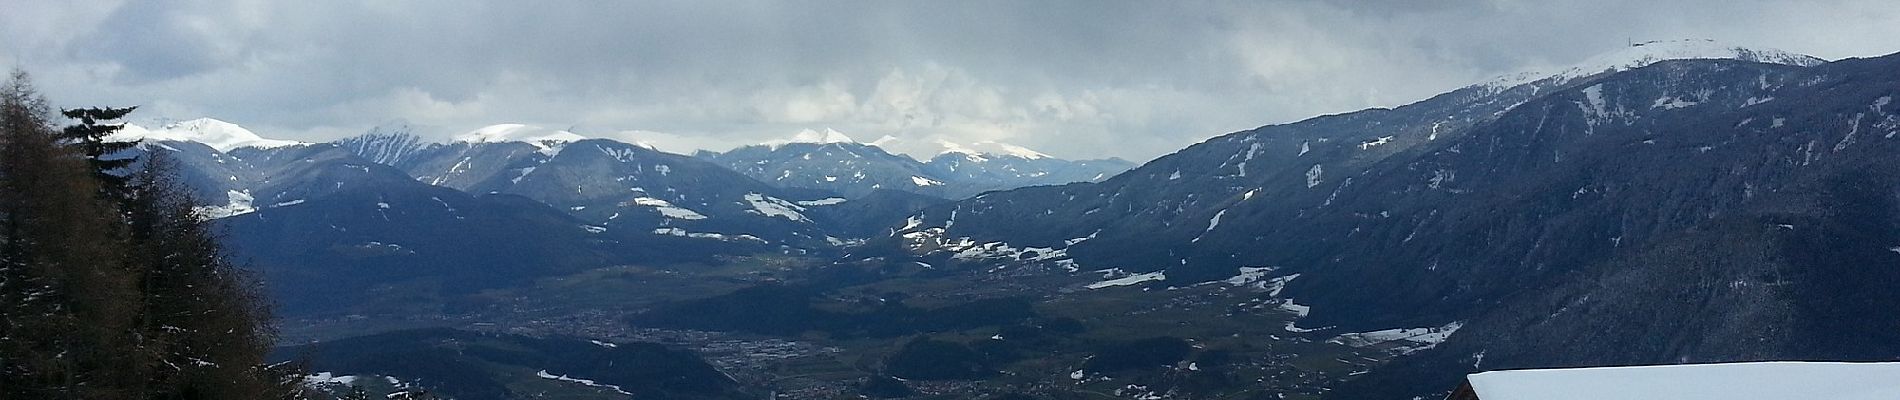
x=392 y=215
x=832 y=161
x=1670 y=202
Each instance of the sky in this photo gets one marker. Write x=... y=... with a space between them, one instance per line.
x=1075 y=79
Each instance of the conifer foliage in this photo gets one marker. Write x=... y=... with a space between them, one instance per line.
x=90 y=136
x=111 y=286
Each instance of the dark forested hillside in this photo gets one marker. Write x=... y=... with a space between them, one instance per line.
x=112 y=285
x=1689 y=210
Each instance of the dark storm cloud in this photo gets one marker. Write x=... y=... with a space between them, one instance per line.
x=1077 y=79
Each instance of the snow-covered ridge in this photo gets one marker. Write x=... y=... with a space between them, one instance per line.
x=1644 y=54
x=502 y=133
x=828 y=136
x=989 y=147
x=224 y=136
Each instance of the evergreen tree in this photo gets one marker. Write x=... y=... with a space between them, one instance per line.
x=67 y=334
x=106 y=157
x=125 y=296
x=201 y=316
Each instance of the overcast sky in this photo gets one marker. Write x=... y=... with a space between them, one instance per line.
x=1076 y=79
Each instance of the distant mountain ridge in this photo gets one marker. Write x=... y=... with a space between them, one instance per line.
x=832 y=161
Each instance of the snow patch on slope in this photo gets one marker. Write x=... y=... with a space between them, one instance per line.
x=584 y=382
x=775 y=207
x=703 y=235
x=238 y=203
x=1416 y=338
x=1128 y=280
x=667 y=209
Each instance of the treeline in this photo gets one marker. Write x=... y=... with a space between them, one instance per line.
x=111 y=285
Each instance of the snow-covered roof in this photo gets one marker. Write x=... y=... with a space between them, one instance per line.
x=220 y=135
x=1737 y=381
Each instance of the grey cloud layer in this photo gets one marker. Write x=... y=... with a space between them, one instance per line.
x=1076 y=79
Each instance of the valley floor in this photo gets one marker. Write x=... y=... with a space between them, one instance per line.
x=1237 y=339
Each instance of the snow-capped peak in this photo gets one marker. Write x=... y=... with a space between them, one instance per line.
x=529 y=134
x=1644 y=54
x=827 y=136
x=224 y=136
x=989 y=147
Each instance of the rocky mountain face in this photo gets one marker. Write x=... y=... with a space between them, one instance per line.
x=834 y=162
x=1732 y=201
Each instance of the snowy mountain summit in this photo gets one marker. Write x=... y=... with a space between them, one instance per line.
x=220 y=135
x=503 y=133
x=828 y=136
x=1643 y=54
x=989 y=147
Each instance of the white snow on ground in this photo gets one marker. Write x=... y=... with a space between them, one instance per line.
x=586 y=382
x=1256 y=277
x=821 y=202
x=326 y=377
x=1298 y=310
x=1130 y=280
x=1672 y=102
x=775 y=207
x=993 y=250
x=238 y=203
x=1250 y=275
x=922 y=181
x=523 y=174
x=288 y=203
x=834 y=241
x=933 y=240
x=1277 y=284
x=1074 y=241
x=667 y=209
x=1417 y=338
x=1313 y=175
x=701 y=235
x=1211 y=224
x=1375 y=142
x=1737 y=381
